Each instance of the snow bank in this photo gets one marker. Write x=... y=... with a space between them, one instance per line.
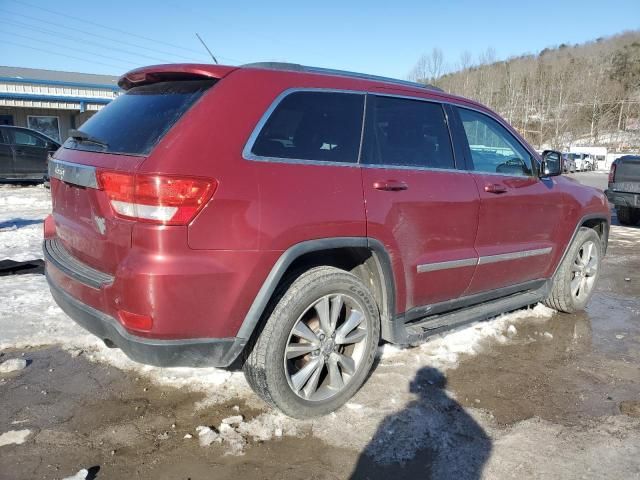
x=22 y=211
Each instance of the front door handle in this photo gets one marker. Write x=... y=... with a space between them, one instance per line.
x=390 y=185
x=495 y=188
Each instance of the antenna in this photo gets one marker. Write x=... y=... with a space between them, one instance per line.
x=205 y=46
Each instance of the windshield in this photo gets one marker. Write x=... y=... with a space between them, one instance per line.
x=135 y=122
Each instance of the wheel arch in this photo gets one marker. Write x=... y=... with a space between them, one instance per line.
x=596 y=221
x=365 y=257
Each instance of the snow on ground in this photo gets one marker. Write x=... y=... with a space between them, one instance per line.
x=30 y=317
x=16 y=437
x=22 y=211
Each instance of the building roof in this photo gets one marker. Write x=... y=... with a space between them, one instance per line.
x=56 y=76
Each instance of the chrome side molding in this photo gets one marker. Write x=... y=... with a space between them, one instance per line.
x=470 y=262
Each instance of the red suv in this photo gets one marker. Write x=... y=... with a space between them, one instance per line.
x=288 y=218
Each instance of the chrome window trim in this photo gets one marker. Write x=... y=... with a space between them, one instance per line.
x=76 y=174
x=513 y=255
x=404 y=167
x=247 y=154
x=248 y=146
x=485 y=260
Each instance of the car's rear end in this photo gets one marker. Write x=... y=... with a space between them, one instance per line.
x=123 y=247
x=624 y=188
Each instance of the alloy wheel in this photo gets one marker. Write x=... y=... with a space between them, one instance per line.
x=326 y=347
x=584 y=270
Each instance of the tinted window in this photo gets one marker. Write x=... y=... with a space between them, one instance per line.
x=135 y=122
x=25 y=138
x=407 y=133
x=493 y=148
x=324 y=126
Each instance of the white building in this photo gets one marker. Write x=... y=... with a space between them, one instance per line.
x=50 y=101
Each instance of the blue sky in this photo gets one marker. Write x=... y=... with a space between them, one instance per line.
x=384 y=38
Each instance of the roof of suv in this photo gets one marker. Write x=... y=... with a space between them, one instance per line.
x=184 y=71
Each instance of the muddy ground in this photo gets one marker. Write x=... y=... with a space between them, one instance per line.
x=560 y=399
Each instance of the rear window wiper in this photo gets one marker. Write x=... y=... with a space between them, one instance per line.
x=81 y=136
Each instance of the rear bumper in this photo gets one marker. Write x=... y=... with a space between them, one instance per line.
x=623 y=199
x=208 y=352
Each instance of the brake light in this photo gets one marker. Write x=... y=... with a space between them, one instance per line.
x=612 y=173
x=160 y=199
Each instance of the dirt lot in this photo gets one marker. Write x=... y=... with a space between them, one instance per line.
x=533 y=394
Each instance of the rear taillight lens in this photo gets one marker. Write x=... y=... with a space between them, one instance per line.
x=612 y=173
x=160 y=199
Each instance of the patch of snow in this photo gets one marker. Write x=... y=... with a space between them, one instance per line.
x=16 y=437
x=234 y=420
x=512 y=331
x=81 y=475
x=548 y=335
x=206 y=435
x=13 y=365
x=22 y=211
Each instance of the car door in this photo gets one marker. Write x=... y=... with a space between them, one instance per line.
x=519 y=212
x=30 y=152
x=6 y=155
x=419 y=204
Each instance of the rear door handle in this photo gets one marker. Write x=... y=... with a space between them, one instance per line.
x=390 y=185
x=495 y=188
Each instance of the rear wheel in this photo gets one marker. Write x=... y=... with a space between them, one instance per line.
x=628 y=215
x=317 y=346
x=576 y=278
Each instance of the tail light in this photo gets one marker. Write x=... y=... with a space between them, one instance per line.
x=159 y=199
x=612 y=173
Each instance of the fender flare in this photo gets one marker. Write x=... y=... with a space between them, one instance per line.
x=382 y=261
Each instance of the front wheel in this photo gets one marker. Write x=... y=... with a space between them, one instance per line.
x=317 y=346
x=578 y=274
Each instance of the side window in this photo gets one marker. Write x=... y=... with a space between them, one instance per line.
x=493 y=148
x=411 y=133
x=24 y=138
x=3 y=137
x=321 y=126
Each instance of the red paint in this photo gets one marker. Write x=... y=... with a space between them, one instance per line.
x=199 y=280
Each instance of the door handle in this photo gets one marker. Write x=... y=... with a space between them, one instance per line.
x=495 y=188
x=390 y=185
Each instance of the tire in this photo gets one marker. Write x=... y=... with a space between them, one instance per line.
x=280 y=380
x=581 y=268
x=627 y=215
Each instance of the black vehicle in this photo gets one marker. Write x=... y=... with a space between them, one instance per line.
x=624 y=188
x=24 y=154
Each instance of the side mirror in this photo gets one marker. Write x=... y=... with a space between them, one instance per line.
x=551 y=164
x=50 y=146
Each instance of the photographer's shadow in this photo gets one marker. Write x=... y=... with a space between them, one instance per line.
x=433 y=437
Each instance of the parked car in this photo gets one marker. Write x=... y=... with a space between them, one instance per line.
x=583 y=161
x=262 y=215
x=568 y=164
x=24 y=154
x=624 y=188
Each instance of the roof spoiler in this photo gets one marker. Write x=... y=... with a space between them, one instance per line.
x=159 y=73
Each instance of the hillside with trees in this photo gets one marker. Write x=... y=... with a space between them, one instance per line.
x=586 y=94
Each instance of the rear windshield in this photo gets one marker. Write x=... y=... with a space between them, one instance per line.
x=135 y=122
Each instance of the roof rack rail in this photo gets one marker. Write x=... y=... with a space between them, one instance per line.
x=296 y=67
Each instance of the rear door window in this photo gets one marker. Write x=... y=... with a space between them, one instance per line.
x=408 y=133
x=316 y=126
x=135 y=122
